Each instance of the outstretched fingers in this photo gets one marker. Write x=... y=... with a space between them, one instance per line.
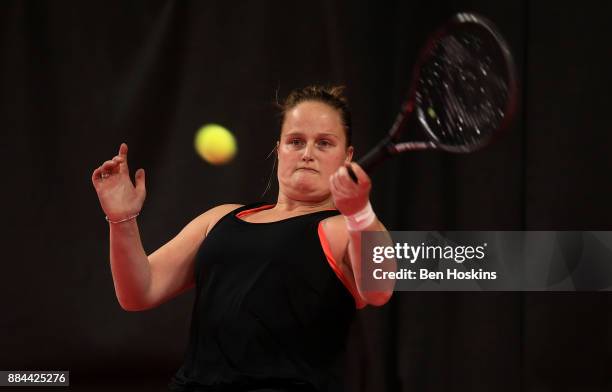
x=96 y=176
x=140 y=181
x=122 y=158
x=118 y=164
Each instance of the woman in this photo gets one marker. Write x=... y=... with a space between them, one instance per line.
x=276 y=285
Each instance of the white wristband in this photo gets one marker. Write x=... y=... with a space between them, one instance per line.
x=359 y=221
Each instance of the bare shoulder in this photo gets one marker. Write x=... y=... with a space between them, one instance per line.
x=199 y=227
x=335 y=224
x=336 y=234
x=222 y=209
x=212 y=216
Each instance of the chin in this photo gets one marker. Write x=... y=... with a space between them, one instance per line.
x=305 y=187
x=308 y=188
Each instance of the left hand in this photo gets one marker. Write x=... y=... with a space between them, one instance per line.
x=349 y=197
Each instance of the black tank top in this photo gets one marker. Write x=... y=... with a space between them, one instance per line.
x=269 y=313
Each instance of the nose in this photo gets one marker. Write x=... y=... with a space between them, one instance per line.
x=307 y=155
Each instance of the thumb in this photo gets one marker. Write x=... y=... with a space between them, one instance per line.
x=140 y=181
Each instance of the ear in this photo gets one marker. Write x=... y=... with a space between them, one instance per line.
x=349 y=153
x=276 y=148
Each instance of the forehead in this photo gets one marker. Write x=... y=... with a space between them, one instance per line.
x=312 y=116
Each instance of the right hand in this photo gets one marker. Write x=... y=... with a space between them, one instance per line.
x=118 y=197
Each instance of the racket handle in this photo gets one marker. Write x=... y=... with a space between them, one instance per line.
x=374 y=157
x=352 y=175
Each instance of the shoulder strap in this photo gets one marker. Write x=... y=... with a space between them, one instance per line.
x=237 y=211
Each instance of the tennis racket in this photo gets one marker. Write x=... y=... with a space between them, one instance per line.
x=463 y=92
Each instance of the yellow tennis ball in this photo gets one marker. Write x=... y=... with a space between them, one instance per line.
x=215 y=144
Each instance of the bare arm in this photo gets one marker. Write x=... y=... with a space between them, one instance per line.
x=384 y=289
x=350 y=198
x=129 y=265
x=346 y=247
x=143 y=282
x=121 y=201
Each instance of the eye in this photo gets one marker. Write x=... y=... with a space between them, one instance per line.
x=295 y=142
x=325 y=143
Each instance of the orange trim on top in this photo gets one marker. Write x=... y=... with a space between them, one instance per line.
x=359 y=302
x=265 y=207
x=250 y=211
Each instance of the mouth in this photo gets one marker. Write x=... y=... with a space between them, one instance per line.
x=306 y=169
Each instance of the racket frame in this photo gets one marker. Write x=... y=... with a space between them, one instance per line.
x=390 y=146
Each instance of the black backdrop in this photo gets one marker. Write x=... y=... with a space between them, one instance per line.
x=78 y=78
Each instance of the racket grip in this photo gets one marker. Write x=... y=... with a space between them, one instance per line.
x=378 y=154
x=352 y=175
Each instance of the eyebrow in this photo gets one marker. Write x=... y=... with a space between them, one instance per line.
x=297 y=133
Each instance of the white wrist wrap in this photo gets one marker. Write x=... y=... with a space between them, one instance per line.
x=359 y=221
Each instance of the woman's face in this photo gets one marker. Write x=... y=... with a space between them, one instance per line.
x=312 y=147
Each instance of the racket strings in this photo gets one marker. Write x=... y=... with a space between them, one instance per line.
x=462 y=88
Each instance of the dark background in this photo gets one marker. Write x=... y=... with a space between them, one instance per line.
x=80 y=77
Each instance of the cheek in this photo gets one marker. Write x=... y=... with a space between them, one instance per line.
x=339 y=157
x=334 y=163
x=286 y=161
